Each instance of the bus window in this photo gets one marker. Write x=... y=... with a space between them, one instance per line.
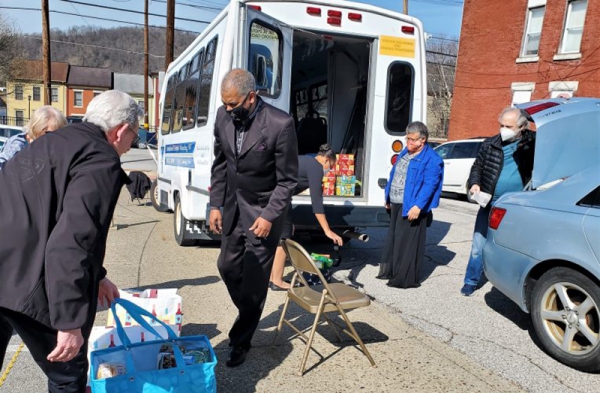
x=166 y=124
x=399 y=97
x=301 y=104
x=191 y=92
x=319 y=100
x=206 y=78
x=180 y=98
x=264 y=59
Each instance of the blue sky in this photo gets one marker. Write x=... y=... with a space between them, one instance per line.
x=440 y=17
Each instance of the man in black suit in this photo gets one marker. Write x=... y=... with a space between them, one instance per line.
x=254 y=175
x=57 y=198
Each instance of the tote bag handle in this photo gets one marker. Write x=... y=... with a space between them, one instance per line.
x=137 y=313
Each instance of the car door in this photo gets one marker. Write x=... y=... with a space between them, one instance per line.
x=457 y=165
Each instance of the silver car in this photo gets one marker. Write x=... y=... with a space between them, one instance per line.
x=543 y=246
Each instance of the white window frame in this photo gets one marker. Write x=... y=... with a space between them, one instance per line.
x=562 y=88
x=522 y=90
x=566 y=27
x=19 y=120
x=533 y=6
x=39 y=93
x=52 y=95
x=75 y=98
x=19 y=92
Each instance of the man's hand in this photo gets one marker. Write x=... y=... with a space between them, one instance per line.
x=216 y=221
x=107 y=292
x=333 y=236
x=261 y=227
x=387 y=206
x=413 y=213
x=68 y=343
x=474 y=189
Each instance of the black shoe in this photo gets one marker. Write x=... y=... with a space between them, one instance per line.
x=296 y=285
x=383 y=277
x=237 y=356
x=275 y=287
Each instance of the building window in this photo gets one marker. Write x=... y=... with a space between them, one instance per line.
x=521 y=92
x=18 y=92
x=533 y=31
x=19 y=118
x=54 y=91
x=573 y=30
x=36 y=93
x=78 y=99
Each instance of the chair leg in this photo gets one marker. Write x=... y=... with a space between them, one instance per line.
x=356 y=336
x=332 y=326
x=312 y=333
x=280 y=324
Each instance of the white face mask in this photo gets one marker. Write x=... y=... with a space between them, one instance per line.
x=507 y=134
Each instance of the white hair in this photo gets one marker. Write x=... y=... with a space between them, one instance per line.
x=111 y=108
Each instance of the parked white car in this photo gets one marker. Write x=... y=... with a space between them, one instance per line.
x=458 y=158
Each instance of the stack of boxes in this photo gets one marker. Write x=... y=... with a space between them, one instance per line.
x=342 y=181
x=329 y=183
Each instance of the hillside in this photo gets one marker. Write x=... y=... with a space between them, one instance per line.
x=110 y=48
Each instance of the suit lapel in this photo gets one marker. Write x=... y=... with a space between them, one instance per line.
x=255 y=133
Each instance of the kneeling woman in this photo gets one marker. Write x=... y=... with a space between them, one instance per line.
x=413 y=189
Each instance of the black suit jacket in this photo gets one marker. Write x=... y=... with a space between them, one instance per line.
x=260 y=181
x=57 y=198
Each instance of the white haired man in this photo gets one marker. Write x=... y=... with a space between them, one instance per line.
x=56 y=204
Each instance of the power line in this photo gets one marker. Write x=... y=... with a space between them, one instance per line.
x=131 y=11
x=200 y=7
x=95 y=17
x=91 y=46
x=439 y=53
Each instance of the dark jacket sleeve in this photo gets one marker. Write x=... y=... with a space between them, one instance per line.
x=218 y=178
x=477 y=168
x=93 y=189
x=286 y=163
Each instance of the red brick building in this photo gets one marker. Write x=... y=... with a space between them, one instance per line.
x=516 y=51
x=83 y=84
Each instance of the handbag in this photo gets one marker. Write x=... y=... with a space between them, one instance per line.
x=171 y=365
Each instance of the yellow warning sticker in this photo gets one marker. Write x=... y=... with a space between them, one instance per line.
x=395 y=46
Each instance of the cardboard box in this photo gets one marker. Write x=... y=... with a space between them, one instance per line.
x=344 y=169
x=329 y=183
x=345 y=186
x=345 y=158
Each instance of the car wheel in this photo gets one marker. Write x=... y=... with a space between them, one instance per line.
x=566 y=318
x=154 y=198
x=179 y=224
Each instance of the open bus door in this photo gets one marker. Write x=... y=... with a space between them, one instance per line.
x=267 y=53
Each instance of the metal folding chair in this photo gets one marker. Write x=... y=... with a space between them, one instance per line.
x=319 y=300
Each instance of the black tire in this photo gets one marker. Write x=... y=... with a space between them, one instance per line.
x=154 y=198
x=579 y=322
x=179 y=224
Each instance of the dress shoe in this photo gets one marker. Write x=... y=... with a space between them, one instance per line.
x=275 y=287
x=237 y=356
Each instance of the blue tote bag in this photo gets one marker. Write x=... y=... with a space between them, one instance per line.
x=139 y=365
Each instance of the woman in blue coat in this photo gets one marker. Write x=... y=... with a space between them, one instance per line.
x=413 y=189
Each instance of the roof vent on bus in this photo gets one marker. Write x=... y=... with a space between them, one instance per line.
x=315 y=11
x=255 y=7
x=355 y=16
x=408 y=29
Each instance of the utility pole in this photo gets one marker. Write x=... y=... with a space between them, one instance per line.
x=170 y=32
x=146 y=126
x=405 y=7
x=46 y=62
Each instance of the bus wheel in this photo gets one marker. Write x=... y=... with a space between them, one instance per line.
x=179 y=224
x=154 y=198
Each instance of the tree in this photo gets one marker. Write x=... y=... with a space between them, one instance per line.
x=10 y=48
x=441 y=63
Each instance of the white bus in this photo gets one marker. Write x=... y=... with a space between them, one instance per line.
x=350 y=74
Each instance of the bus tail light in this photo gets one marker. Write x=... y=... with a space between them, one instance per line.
x=315 y=11
x=255 y=7
x=355 y=17
x=496 y=217
x=334 y=14
x=394 y=158
x=334 y=21
x=408 y=29
x=397 y=146
x=540 y=107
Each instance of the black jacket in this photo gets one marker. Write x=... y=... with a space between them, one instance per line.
x=57 y=198
x=260 y=181
x=490 y=159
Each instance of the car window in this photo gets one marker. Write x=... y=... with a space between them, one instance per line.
x=464 y=150
x=592 y=199
x=444 y=150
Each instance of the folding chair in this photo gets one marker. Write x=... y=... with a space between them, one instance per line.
x=319 y=300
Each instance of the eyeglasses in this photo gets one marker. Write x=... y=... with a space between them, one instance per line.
x=413 y=139
x=136 y=139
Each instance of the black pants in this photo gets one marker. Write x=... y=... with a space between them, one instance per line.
x=64 y=377
x=6 y=332
x=246 y=269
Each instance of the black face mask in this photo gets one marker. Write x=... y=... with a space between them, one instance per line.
x=239 y=113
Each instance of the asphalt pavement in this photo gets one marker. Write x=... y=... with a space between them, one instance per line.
x=427 y=339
